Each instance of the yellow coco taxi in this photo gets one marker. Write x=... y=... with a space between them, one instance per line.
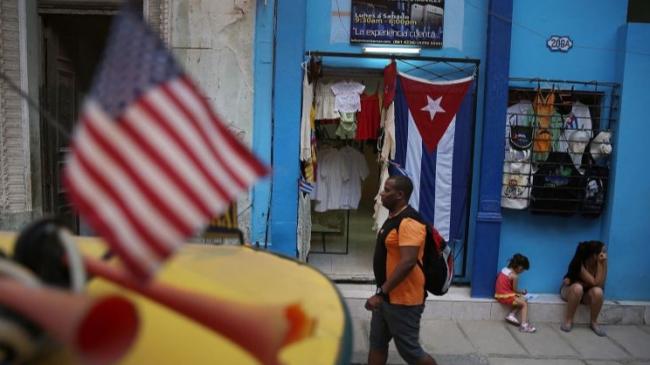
x=254 y=278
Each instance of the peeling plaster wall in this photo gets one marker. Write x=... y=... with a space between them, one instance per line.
x=15 y=183
x=214 y=40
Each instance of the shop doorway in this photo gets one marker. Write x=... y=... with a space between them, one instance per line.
x=342 y=241
x=72 y=47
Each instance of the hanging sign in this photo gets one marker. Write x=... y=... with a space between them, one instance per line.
x=397 y=22
x=558 y=43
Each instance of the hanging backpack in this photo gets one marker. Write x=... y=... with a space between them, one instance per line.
x=437 y=263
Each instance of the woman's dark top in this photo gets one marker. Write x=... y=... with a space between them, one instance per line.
x=573 y=274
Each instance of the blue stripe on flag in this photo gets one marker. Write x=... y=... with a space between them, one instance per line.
x=462 y=164
x=428 y=185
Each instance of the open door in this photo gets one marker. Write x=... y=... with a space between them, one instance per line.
x=72 y=46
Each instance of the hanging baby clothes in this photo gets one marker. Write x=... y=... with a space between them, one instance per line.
x=517 y=177
x=347 y=96
x=325 y=100
x=347 y=126
x=357 y=171
x=368 y=118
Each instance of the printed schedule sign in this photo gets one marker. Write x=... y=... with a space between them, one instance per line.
x=397 y=22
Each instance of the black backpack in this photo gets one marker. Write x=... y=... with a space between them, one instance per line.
x=437 y=263
x=437 y=260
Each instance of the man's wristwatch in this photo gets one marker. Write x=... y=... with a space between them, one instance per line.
x=381 y=293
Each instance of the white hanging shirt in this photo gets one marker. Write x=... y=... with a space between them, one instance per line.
x=330 y=177
x=347 y=96
x=357 y=171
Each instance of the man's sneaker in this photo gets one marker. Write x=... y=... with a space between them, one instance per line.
x=510 y=318
x=527 y=328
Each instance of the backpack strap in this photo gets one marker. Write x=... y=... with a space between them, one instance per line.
x=381 y=253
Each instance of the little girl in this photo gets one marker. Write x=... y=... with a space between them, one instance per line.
x=507 y=293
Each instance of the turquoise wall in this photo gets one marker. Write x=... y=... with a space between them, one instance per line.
x=628 y=225
x=550 y=241
x=605 y=49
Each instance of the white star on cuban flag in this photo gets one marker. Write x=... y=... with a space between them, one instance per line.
x=433 y=107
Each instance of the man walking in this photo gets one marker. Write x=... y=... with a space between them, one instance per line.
x=399 y=301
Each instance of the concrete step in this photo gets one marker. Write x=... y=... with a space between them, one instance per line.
x=457 y=304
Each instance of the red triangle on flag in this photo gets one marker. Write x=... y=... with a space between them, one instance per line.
x=433 y=105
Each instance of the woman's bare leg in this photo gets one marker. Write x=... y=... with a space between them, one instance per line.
x=573 y=295
x=594 y=299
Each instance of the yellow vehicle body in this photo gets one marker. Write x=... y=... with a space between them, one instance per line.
x=231 y=272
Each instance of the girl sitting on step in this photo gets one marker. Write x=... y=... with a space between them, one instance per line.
x=507 y=292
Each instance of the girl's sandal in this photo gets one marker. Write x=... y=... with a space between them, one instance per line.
x=566 y=327
x=527 y=328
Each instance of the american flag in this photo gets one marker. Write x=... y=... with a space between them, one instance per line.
x=150 y=161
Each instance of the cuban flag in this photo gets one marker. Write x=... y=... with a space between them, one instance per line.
x=433 y=136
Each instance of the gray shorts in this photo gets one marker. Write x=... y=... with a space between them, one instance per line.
x=401 y=322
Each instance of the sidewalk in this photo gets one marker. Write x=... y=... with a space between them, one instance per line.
x=467 y=338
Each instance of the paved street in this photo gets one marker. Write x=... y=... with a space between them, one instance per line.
x=498 y=343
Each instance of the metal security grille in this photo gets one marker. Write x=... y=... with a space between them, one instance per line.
x=558 y=140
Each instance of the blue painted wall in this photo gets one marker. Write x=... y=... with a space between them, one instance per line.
x=262 y=116
x=287 y=96
x=488 y=216
x=628 y=224
x=599 y=53
x=549 y=242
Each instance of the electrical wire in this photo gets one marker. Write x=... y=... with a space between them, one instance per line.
x=543 y=36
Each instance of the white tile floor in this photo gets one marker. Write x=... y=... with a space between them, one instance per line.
x=357 y=264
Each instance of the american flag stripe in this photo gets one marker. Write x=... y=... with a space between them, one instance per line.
x=146 y=128
x=96 y=206
x=137 y=163
x=208 y=125
x=186 y=139
x=112 y=179
x=227 y=146
x=171 y=171
x=232 y=164
x=166 y=208
x=220 y=168
x=100 y=184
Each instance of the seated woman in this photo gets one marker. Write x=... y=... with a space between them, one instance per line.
x=584 y=283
